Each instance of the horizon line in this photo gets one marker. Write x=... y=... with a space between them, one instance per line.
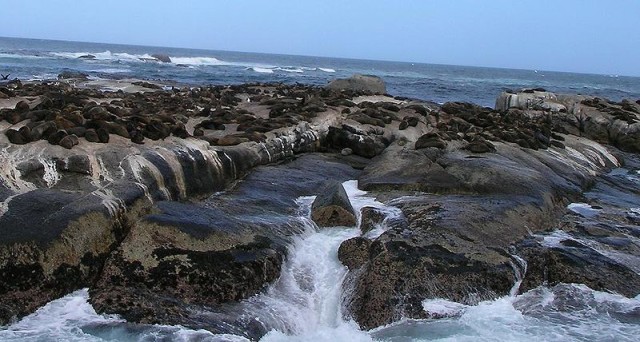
x=335 y=57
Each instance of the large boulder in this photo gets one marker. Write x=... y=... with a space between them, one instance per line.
x=332 y=207
x=162 y=57
x=184 y=255
x=357 y=82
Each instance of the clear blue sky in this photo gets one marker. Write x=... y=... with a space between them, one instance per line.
x=595 y=36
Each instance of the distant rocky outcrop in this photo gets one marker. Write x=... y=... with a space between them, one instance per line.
x=162 y=57
x=367 y=83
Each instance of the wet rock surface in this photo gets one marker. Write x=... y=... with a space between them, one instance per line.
x=332 y=208
x=96 y=187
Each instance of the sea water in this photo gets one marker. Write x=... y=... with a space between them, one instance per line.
x=32 y=59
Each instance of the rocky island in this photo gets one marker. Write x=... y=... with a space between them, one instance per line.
x=99 y=190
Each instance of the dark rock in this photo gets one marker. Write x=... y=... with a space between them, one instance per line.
x=370 y=217
x=162 y=57
x=68 y=74
x=576 y=263
x=367 y=83
x=147 y=85
x=354 y=252
x=332 y=207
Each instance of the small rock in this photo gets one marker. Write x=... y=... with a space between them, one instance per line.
x=346 y=151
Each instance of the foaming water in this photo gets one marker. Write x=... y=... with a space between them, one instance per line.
x=566 y=312
x=72 y=318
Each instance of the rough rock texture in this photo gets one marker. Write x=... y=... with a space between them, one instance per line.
x=332 y=208
x=354 y=252
x=167 y=261
x=457 y=239
x=369 y=218
x=367 y=83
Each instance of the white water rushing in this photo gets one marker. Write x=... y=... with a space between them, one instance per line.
x=304 y=304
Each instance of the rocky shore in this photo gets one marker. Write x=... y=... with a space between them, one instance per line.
x=97 y=191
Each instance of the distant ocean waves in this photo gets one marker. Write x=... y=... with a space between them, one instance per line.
x=43 y=59
x=178 y=61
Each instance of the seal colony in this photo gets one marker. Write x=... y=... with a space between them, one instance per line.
x=94 y=185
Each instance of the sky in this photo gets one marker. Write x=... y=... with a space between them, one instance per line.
x=590 y=36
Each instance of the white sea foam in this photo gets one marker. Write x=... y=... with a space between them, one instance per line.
x=442 y=307
x=72 y=318
x=291 y=69
x=111 y=70
x=327 y=69
x=198 y=61
x=51 y=175
x=261 y=70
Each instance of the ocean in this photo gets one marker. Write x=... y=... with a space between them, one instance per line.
x=565 y=312
x=33 y=59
